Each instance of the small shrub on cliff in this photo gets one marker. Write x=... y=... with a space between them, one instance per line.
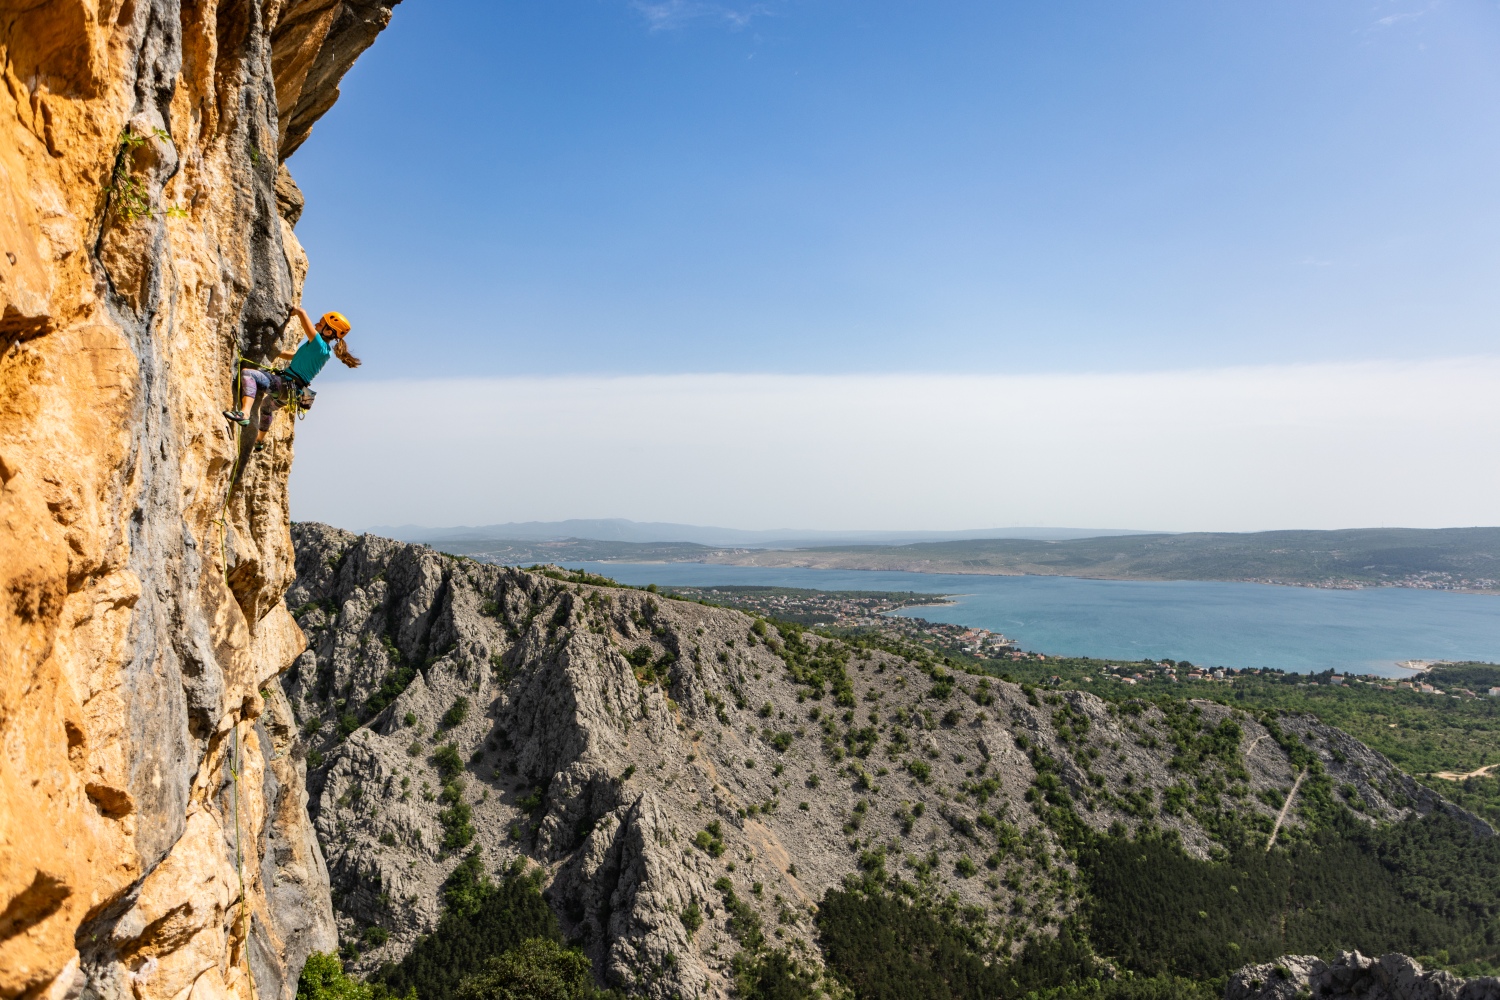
x=744 y=922
x=465 y=890
x=692 y=918
x=458 y=831
x=323 y=978
x=449 y=764
x=457 y=713
x=710 y=840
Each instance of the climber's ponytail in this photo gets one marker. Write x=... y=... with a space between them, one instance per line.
x=341 y=351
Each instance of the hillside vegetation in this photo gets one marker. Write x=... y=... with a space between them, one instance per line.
x=718 y=804
x=1423 y=733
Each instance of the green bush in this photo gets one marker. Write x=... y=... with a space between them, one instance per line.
x=772 y=975
x=323 y=979
x=391 y=686
x=457 y=712
x=458 y=828
x=1414 y=887
x=449 y=764
x=467 y=887
x=537 y=969
x=482 y=921
x=692 y=918
x=883 y=948
x=1132 y=987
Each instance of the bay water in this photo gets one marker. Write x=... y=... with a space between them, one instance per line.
x=1299 y=629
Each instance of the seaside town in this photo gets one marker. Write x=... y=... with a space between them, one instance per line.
x=872 y=611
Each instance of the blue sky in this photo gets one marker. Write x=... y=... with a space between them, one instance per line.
x=851 y=264
x=559 y=187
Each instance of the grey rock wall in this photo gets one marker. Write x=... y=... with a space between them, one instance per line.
x=1351 y=975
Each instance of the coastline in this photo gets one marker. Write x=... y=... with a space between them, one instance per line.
x=928 y=568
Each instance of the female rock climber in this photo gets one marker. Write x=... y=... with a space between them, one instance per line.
x=324 y=339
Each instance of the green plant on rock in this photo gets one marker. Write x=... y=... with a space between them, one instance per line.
x=128 y=196
x=538 y=969
x=457 y=713
x=691 y=917
x=483 y=921
x=323 y=978
x=447 y=761
x=456 y=818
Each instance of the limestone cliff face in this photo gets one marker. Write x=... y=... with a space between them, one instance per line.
x=145 y=239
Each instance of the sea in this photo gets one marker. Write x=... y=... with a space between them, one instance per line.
x=1298 y=629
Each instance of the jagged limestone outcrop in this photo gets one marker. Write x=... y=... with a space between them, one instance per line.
x=601 y=731
x=1351 y=975
x=142 y=630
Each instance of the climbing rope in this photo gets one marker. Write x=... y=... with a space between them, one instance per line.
x=239 y=861
x=239 y=443
x=289 y=397
x=236 y=760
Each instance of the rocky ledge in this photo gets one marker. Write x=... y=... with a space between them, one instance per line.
x=1352 y=975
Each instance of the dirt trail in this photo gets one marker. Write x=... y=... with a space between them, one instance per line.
x=1285 y=807
x=1453 y=776
x=772 y=848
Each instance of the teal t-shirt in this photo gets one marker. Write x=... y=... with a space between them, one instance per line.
x=310 y=358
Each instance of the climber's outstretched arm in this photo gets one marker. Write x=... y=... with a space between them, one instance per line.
x=307 y=328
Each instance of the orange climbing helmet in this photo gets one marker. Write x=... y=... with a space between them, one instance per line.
x=336 y=322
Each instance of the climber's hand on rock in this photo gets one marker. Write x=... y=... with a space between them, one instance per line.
x=307 y=324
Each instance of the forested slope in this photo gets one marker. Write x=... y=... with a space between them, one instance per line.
x=711 y=798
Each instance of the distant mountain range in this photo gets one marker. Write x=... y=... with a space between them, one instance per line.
x=1437 y=559
x=1434 y=559
x=618 y=529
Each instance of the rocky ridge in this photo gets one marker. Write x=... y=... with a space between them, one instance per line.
x=641 y=749
x=1350 y=975
x=154 y=841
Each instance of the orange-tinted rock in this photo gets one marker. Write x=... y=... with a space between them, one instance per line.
x=154 y=841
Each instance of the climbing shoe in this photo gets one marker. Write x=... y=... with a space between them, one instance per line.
x=261 y=446
x=237 y=417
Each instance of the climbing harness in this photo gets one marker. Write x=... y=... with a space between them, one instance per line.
x=294 y=394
